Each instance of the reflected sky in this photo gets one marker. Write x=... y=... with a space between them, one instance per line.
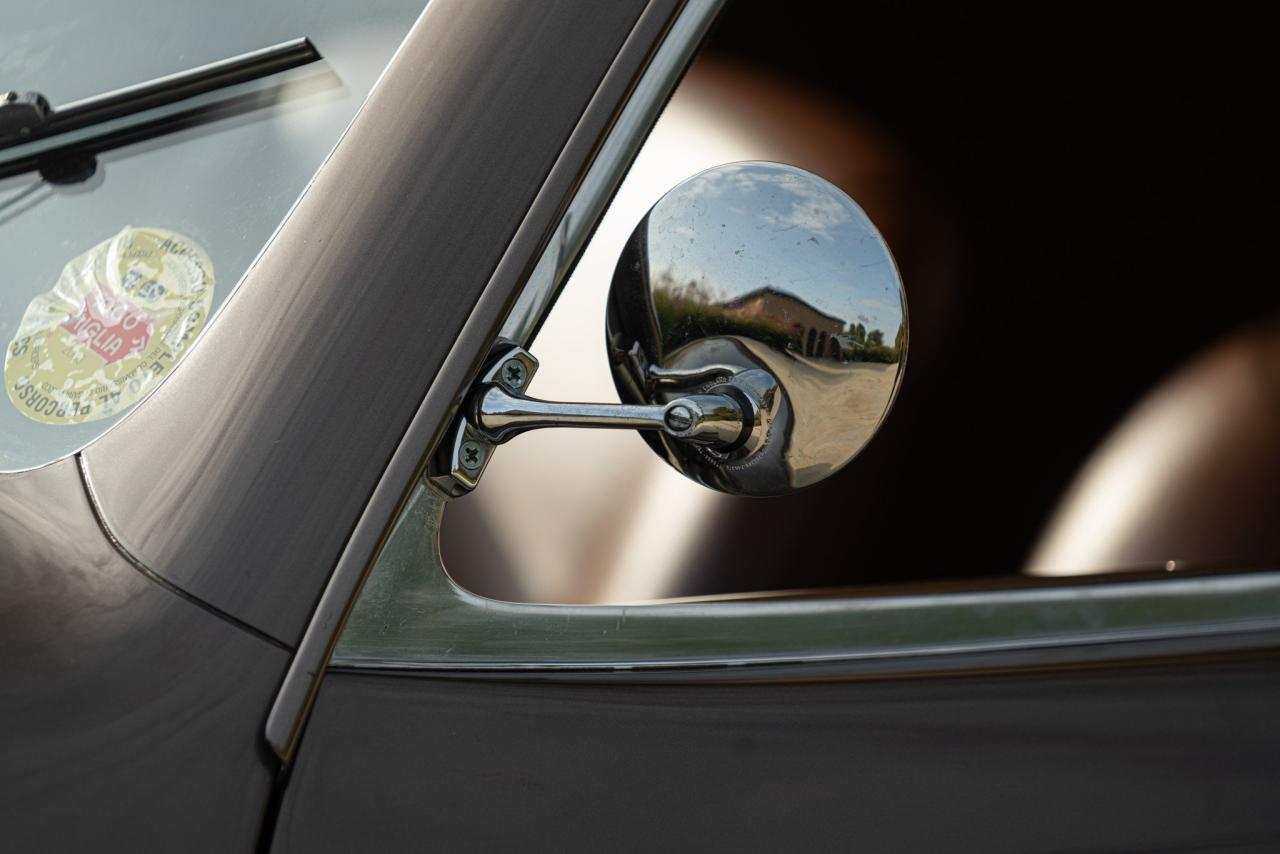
x=754 y=228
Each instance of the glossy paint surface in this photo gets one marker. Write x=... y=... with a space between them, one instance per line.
x=242 y=478
x=130 y=716
x=1174 y=757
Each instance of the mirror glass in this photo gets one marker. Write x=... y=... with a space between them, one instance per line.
x=762 y=266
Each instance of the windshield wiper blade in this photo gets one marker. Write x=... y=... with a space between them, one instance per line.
x=26 y=117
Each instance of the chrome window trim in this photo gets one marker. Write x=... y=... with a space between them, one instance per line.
x=411 y=616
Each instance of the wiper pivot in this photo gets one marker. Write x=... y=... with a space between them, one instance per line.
x=20 y=114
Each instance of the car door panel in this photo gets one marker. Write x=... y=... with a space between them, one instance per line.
x=1177 y=755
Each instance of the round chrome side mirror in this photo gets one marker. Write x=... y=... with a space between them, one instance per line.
x=757 y=331
x=767 y=284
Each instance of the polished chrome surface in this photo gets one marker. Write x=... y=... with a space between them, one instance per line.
x=412 y=616
x=501 y=414
x=711 y=418
x=466 y=450
x=761 y=267
x=496 y=411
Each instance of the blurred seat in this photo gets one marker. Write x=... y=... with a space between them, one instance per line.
x=1191 y=476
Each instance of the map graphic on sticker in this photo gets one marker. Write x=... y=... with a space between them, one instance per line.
x=116 y=321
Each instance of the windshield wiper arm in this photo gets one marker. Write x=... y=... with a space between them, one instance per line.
x=28 y=116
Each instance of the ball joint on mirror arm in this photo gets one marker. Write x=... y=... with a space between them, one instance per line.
x=723 y=420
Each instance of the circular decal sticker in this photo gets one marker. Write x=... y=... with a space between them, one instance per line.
x=116 y=321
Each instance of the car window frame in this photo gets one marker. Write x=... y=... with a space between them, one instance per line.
x=412 y=617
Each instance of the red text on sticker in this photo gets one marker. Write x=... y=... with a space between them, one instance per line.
x=112 y=326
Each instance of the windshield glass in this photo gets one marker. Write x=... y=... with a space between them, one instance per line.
x=115 y=262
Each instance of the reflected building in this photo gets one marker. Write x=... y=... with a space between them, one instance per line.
x=769 y=315
x=815 y=333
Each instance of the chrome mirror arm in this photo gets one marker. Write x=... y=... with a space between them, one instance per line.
x=729 y=418
x=717 y=420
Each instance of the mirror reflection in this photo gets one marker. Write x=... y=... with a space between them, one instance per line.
x=789 y=269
